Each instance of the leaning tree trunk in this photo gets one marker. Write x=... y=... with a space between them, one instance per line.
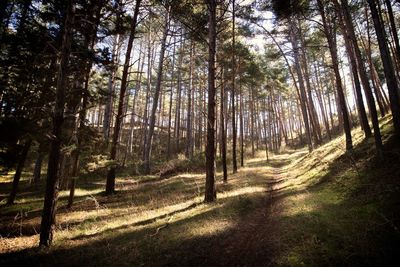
x=303 y=96
x=210 y=189
x=393 y=28
x=388 y=66
x=363 y=74
x=353 y=65
x=149 y=138
x=51 y=194
x=339 y=87
x=110 y=185
x=18 y=171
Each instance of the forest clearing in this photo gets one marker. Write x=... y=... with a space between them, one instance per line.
x=199 y=133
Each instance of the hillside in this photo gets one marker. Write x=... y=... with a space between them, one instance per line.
x=322 y=208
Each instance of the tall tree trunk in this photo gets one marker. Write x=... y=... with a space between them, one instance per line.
x=303 y=96
x=393 y=28
x=388 y=67
x=170 y=101
x=189 y=136
x=363 y=75
x=234 y=130
x=313 y=113
x=51 y=194
x=179 y=95
x=111 y=86
x=90 y=39
x=375 y=80
x=353 y=65
x=148 y=146
x=241 y=124
x=223 y=129
x=339 y=87
x=110 y=184
x=146 y=105
x=318 y=90
x=210 y=189
x=252 y=121
x=265 y=128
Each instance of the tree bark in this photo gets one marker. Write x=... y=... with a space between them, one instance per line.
x=223 y=129
x=170 y=102
x=339 y=88
x=363 y=75
x=38 y=164
x=210 y=189
x=388 y=67
x=353 y=66
x=234 y=130
x=303 y=96
x=241 y=125
x=189 y=137
x=51 y=194
x=110 y=92
x=110 y=184
x=149 y=141
x=18 y=171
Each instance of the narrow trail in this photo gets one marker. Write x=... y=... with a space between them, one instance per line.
x=252 y=243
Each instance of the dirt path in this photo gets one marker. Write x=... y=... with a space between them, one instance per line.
x=253 y=242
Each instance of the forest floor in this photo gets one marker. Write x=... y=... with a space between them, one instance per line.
x=325 y=208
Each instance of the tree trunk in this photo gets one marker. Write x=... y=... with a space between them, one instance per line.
x=303 y=97
x=170 y=102
x=335 y=62
x=388 y=67
x=393 y=28
x=110 y=93
x=51 y=194
x=110 y=184
x=18 y=172
x=90 y=39
x=148 y=146
x=223 y=129
x=210 y=189
x=252 y=121
x=321 y=102
x=179 y=94
x=234 y=130
x=189 y=136
x=241 y=125
x=353 y=66
x=363 y=75
x=37 y=172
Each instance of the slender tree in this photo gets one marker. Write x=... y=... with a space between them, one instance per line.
x=210 y=189
x=233 y=92
x=149 y=138
x=110 y=184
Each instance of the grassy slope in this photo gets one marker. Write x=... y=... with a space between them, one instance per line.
x=344 y=209
x=323 y=208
